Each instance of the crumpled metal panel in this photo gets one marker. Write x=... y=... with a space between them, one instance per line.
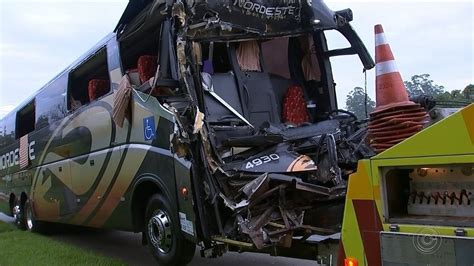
x=263 y=16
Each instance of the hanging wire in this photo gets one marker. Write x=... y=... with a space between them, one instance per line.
x=365 y=91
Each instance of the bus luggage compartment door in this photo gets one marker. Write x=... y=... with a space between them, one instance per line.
x=53 y=197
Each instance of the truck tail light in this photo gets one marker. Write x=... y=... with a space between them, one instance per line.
x=349 y=261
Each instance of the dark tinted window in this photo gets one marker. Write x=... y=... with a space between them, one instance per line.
x=25 y=120
x=7 y=131
x=51 y=102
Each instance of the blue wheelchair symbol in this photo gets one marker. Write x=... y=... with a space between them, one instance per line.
x=149 y=128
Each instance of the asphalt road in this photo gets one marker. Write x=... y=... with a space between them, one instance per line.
x=127 y=247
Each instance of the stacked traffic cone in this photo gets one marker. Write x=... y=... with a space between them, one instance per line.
x=395 y=117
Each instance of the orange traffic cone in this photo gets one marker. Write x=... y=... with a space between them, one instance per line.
x=390 y=90
x=395 y=117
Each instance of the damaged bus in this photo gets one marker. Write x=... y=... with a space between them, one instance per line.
x=210 y=123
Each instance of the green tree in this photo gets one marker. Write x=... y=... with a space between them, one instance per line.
x=468 y=92
x=423 y=85
x=356 y=100
x=454 y=95
x=456 y=98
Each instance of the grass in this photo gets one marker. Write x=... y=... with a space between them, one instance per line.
x=4 y=227
x=25 y=248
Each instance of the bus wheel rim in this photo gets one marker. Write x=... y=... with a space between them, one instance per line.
x=29 y=218
x=16 y=214
x=159 y=231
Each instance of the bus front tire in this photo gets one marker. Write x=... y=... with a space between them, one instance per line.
x=164 y=238
x=29 y=220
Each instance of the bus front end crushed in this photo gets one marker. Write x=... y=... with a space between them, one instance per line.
x=272 y=175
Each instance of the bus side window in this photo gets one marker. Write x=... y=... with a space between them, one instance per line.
x=89 y=81
x=25 y=120
x=7 y=130
x=51 y=102
x=139 y=55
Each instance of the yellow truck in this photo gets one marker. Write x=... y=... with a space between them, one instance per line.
x=413 y=204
